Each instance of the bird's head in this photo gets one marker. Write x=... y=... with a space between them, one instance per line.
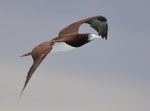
x=92 y=37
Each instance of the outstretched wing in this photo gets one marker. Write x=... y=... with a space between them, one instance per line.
x=38 y=54
x=99 y=23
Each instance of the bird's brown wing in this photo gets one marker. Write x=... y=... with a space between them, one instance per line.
x=38 y=54
x=99 y=23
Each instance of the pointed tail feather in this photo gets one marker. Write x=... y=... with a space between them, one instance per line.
x=26 y=54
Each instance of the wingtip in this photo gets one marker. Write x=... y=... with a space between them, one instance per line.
x=103 y=36
x=21 y=94
x=106 y=37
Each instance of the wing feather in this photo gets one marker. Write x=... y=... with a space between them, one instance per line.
x=38 y=55
x=99 y=23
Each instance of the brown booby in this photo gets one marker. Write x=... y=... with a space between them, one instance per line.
x=68 y=39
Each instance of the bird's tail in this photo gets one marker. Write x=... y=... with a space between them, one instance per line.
x=26 y=54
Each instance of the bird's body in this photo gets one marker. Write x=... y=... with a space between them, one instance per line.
x=61 y=47
x=68 y=39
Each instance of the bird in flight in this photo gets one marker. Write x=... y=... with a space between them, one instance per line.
x=67 y=39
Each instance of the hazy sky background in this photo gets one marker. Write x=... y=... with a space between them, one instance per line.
x=112 y=75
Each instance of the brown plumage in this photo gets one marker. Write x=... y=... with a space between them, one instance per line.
x=70 y=36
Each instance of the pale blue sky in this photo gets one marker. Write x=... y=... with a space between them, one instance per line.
x=112 y=75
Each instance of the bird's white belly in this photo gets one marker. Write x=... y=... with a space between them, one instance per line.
x=61 y=46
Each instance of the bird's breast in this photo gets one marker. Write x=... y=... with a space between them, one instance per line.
x=61 y=46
